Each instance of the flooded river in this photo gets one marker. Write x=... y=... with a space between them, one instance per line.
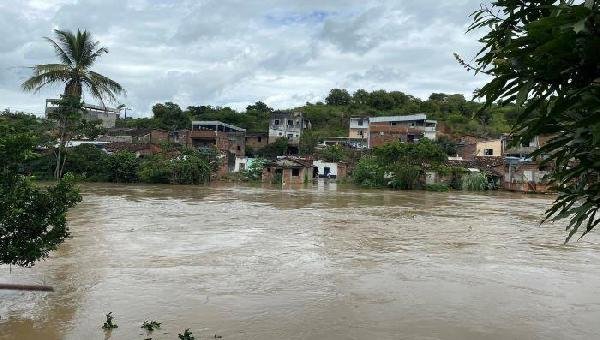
x=322 y=262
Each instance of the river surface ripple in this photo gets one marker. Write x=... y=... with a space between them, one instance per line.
x=318 y=262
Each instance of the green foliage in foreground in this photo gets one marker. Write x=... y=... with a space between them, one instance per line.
x=32 y=218
x=543 y=57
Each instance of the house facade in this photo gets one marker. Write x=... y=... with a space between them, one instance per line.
x=288 y=170
x=407 y=129
x=228 y=139
x=489 y=148
x=288 y=125
x=359 y=128
x=257 y=140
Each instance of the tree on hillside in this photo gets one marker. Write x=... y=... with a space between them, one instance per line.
x=543 y=56
x=170 y=116
x=259 y=107
x=338 y=97
x=77 y=53
x=360 y=97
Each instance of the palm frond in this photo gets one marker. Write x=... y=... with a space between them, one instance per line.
x=67 y=40
x=60 y=52
x=40 y=80
x=102 y=87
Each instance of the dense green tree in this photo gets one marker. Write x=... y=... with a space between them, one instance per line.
x=32 y=219
x=543 y=56
x=123 y=167
x=88 y=161
x=169 y=116
x=338 y=97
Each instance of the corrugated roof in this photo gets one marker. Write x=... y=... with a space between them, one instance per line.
x=407 y=118
x=216 y=122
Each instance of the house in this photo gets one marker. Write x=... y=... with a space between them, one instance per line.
x=242 y=163
x=108 y=116
x=288 y=125
x=408 y=129
x=288 y=170
x=524 y=172
x=228 y=139
x=359 y=128
x=257 y=140
x=323 y=169
x=224 y=137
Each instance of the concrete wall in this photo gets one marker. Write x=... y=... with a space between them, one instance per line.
x=321 y=165
x=494 y=145
x=242 y=163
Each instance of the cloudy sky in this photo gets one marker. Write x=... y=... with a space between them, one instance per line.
x=224 y=52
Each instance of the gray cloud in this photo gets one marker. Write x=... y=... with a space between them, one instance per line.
x=226 y=52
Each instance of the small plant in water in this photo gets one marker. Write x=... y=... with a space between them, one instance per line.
x=150 y=325
x=108 y=324
x=187 y=335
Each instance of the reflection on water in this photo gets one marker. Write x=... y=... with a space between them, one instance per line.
x=325 y=261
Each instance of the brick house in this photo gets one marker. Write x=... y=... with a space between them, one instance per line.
x=407 y=129
x=291 y=170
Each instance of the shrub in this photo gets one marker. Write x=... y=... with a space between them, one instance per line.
x=123 y=167
x=475 y=181
x=254 y=171
x=369 y=172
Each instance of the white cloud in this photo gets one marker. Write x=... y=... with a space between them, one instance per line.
x=225 y=52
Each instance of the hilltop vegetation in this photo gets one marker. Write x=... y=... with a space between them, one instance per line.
x=456 y=115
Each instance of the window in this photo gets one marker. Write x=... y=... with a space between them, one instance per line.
x=239 y=148
x=394 y=123
x=295 y=172
x=488 y=152
x=290 y=135
x=410 y=138
x=411 y=124
x=290 y=122
x=276 y=121
x=280 y=134
x=242 y=166
x=360 y=122
x=259 y=139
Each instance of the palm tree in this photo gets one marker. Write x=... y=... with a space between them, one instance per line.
x=77 y=54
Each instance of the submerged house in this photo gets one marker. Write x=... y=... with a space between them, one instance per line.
x=523 y=172
x=323 y=169
x=288 y=170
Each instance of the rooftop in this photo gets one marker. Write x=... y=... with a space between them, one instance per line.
x=214 y=125
x=407 y=118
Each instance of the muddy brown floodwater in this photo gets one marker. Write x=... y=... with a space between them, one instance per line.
x=323 y=262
